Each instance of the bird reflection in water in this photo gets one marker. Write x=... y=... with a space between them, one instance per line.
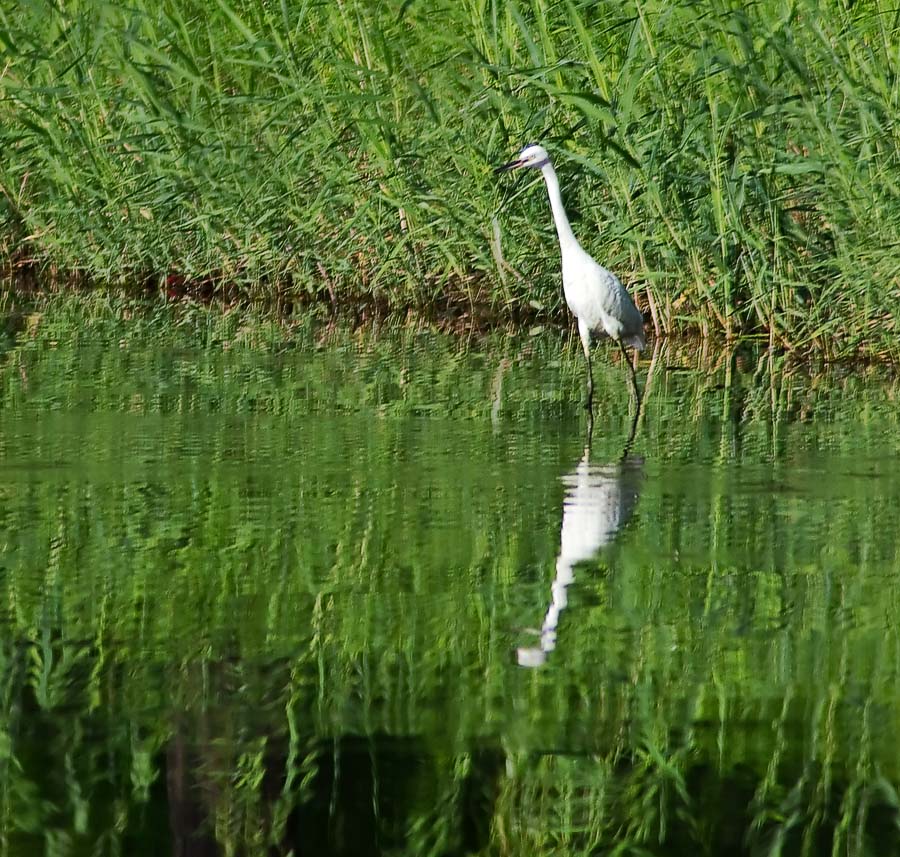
x=599 y=501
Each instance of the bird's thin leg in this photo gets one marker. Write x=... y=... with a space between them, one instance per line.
x=630 y=365
x=585 y=335
x=634 y=423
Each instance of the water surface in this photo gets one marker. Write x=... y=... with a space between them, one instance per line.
x=366 y=594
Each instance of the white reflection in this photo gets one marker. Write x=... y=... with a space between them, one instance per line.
x=599 y=501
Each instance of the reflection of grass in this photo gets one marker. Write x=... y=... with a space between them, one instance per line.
x=647 y=803
x=257 y=552
x=737 y=165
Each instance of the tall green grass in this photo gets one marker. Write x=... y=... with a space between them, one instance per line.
x=736 y=164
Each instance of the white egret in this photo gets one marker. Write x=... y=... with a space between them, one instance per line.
x=595 y=296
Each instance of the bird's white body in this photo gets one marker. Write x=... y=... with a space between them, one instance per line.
x=598 y=300
x=596 y=297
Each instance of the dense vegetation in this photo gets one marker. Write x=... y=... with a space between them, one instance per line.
x=736 y=163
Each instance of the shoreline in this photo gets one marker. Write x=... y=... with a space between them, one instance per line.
x=256 y=325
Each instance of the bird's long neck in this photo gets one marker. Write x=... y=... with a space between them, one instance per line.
x=563 y=229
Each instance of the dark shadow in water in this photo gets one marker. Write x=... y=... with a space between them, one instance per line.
x=369 y=796
x=189 y=801
x=599 y=501
x=362 y=800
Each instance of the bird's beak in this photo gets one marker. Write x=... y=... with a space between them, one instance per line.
x=507 y=167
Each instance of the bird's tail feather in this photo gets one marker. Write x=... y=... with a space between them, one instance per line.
x=636 y=341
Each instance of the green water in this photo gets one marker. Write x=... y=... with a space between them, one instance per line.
x=359 y=595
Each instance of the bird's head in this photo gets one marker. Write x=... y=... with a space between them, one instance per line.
x=531 y=156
